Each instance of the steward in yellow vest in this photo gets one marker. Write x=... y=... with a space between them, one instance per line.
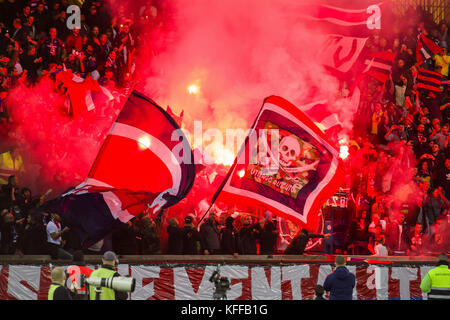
x=57 y=290
x=107 y=270
x=437 y=281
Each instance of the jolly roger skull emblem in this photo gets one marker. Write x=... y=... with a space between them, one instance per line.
x=289 y=150
x=294 y=155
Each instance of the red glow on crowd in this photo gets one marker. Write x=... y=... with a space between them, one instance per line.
x=217 y=68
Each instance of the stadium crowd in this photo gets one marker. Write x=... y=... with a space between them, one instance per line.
x=399 y=131
x=399 y=163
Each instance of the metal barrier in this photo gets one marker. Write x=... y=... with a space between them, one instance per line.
x=224 y=259
x=440 y=9
x=258 y=277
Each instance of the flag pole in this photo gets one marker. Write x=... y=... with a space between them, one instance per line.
x=232 y=167
x=216 y=195
x=204 y=214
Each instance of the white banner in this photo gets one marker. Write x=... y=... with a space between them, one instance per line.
x=294 y=282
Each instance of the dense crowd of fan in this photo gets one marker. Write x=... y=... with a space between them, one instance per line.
x=37 y=39
x=36 y=42
x=398 y=129
x=401 y=147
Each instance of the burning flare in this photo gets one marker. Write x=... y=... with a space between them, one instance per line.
x=193 y=89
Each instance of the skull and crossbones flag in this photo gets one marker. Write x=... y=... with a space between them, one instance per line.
x=286 y=165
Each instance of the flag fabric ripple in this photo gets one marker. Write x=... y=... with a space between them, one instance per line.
x=145 y=161
x=292 y=181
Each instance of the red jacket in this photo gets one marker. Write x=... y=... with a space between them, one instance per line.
x=74 y=42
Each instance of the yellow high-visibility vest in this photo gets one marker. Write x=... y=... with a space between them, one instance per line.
x=107 y=293
x=437 y=283
x=9 y=166
x=52 y=289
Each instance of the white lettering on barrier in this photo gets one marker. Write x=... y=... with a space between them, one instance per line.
x=123 y=270
x=371 y=280
x=234 y=272
x=295 y=274
x=404 y=275
x=184 y=289
x=383 y=288
x=261 y=289
x=324 y=271
x=374 y=280
x=144 y=274
x=24 y=282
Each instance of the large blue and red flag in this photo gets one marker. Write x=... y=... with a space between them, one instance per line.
x=286 y=165
x=145 y=162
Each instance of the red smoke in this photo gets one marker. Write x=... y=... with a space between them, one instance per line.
x=58 y=150
x=236 y=53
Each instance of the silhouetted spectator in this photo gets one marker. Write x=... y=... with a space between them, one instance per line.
x=192 y=240
x=124 y=240
x=229 y=238
x=319 y=291
x=175 y=239
x=268 y=239
x=298 y=244
x=249 y=234
x=341 y=282
x=210 y=234
x=8 y=241
x=33 y=238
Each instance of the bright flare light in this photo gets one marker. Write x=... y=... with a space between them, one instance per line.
x=343 y=149
x=144 y=142
x=343 y=152
x=193 y=89
x=221 y=155
x=241 y=173
x=225 y=157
